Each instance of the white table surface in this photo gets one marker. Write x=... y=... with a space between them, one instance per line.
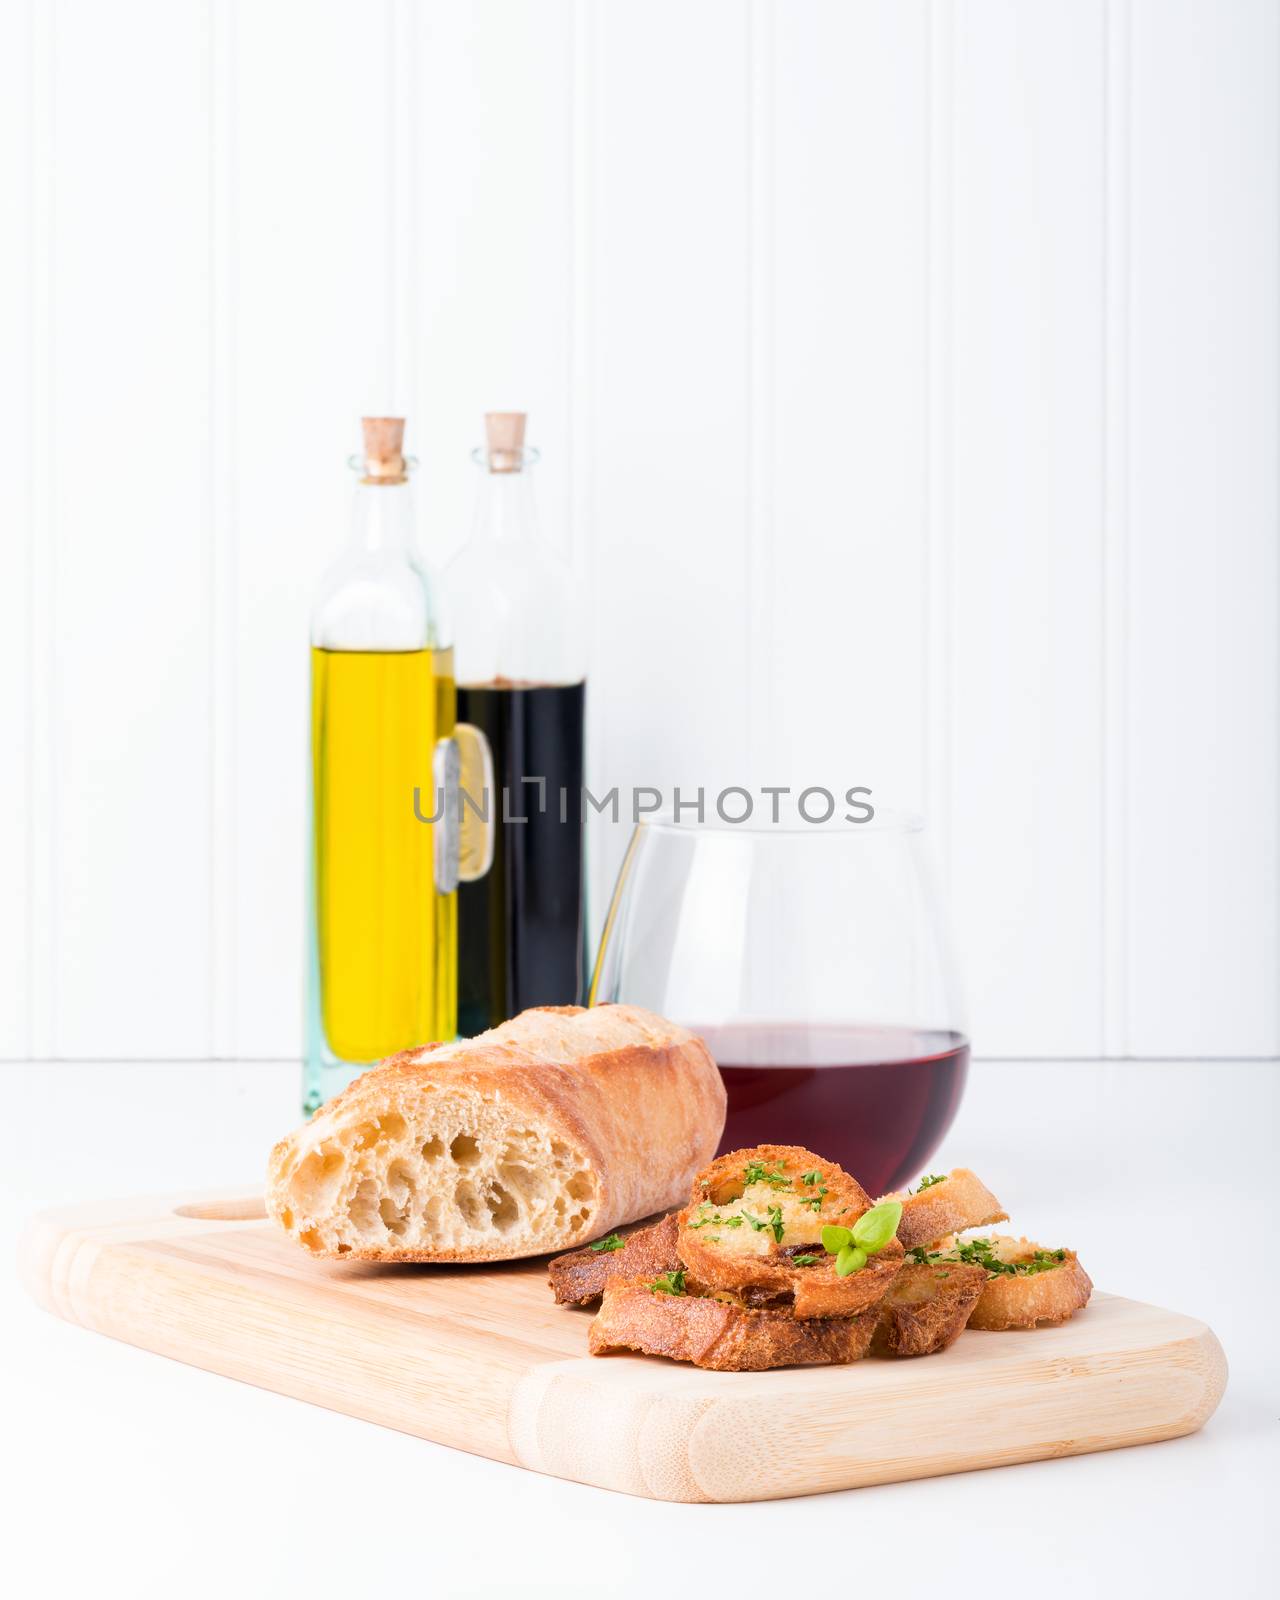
x=130 y=1474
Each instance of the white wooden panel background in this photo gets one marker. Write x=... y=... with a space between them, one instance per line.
x=908 y=380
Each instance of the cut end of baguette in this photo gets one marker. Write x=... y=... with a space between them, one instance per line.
x=445 y=1175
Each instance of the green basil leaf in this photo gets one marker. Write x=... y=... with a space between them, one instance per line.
x=876 y=1227
x=850 y=1259
x=835 y=1238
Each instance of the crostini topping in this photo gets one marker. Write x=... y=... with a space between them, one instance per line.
x=722 y=1222
x=981 y=1252
x=755 y=1172
x=813 y=1180
x=613 y=1241
x=669 y=1283
x=765 y=1216
x=928 y=1181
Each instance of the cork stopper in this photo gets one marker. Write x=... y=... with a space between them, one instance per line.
x=383 y=449
x=504 y=438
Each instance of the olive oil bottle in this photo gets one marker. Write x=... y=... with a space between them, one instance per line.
x=380 y=927
x=384 y=848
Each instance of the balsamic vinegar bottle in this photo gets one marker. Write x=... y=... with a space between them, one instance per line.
x=520 y=660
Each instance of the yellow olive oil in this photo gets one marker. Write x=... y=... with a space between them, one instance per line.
x=384 y=939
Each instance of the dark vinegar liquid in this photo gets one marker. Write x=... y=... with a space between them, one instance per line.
x=520 y=926
x=875 y=1100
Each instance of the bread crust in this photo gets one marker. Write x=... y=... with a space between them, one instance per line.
x=1036 y=1300
x=633 y=1104
x=722 y=1335
x=960 y=1201
x=770 y=1275
x=927 y=1308
x=579 y=1278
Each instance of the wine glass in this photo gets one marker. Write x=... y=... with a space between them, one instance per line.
x=812 y=959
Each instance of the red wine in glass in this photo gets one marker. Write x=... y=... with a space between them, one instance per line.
x=787 y=946
x=875 y=1100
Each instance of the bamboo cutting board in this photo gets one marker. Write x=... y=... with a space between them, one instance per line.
x=480 y=1358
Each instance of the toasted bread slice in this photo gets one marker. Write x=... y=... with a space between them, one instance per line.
x=956 y=1202
x=754 y=1226
x=1027 y=1285
x=580 y=1277
x=927 y=1307
x=714 y=1330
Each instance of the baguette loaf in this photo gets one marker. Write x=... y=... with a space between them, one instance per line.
x=551 y=1129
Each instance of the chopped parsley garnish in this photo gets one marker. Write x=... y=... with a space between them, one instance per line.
x=775 y=1222
x=725 y=1222
x=1041 y=1261
x=755 y=1173
x=977 y=1253
x=804 y=1261
x=615 y=1241
x=669 y=1283
x=980 y=1253
x=756 y=1225
x=814 y=1181
x=928 y=1182
x=921 y=1256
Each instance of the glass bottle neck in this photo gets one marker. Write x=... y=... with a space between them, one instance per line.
x=382 y=518
x=504 y=509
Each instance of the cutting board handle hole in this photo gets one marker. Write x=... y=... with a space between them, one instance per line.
x=251 y=1209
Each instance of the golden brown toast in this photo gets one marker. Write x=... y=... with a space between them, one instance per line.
x=581 y=1276
x=942 y=1206
x=1027 y=1285
x=754 y=1227
x=715 y=1330
x=927 y=1308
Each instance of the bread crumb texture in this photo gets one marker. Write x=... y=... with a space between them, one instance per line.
x=447 y=1172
